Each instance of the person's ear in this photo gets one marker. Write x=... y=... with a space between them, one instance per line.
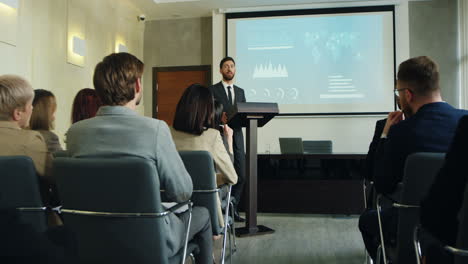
x=17 y=114
x=409 y=95
x=138 y=85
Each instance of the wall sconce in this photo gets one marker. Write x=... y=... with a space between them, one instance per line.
x=122 y=48
x=79 y=46
x=119 y=47
x=11 y=3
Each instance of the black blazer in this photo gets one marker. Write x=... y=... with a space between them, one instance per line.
x=430 y=129
x=220 y=95
x=379 y=126
x=439 y=210
x=238 y=138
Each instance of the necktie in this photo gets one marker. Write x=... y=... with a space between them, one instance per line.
x=229 y=95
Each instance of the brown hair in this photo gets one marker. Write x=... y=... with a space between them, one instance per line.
x=15 y=92
x=421 y=73
x=194 y=112
x=44 y=106
x=115 y=78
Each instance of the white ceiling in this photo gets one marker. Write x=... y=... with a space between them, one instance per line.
x=203 y=8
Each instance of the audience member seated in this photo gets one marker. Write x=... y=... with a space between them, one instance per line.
x=226 y=132
x=85 y=105
x=16 y=97
x=429 y=125
x=193 y=129
x=117 y=130
x=43 y=117
x=440 y=209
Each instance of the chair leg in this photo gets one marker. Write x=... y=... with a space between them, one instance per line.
x=226 y=225
x=417 y=246
x=233 y=228
x=382 y=243
x=187 y=233
x=379 y=255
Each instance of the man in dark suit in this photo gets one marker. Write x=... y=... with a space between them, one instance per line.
x=429 y=127
x=229 y=94
x=440 y=208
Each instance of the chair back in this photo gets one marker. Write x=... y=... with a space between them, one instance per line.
x=462 y=239
x=200 y=166
x=19 y=188
x=419 y=174
x=318 y=146
x=124 y=185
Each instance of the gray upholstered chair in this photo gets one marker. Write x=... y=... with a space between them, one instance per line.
x=200 y=166
x=19 y=189
x=420 y=171
x=317 y=146
x=114 y=208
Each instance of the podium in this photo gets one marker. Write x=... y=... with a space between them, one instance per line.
x=251 y=116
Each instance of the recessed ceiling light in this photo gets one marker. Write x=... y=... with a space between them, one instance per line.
x=173 y=1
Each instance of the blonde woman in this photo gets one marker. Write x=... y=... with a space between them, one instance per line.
x=43 y=117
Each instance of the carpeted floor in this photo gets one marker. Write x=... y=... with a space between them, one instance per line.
x=302 y=239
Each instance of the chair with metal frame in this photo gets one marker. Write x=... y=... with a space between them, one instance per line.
x=200 y=166
x=460 y=252
x=419 y=173
x=114 y=208
x=19 y=189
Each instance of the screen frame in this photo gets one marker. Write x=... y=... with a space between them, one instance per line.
x=321 y=11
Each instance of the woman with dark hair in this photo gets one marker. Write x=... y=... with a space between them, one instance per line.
x=43 y=117
x=85 y=105
x=193 y=129
x=224 y=129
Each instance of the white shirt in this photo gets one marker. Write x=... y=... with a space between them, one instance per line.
x=232 y=91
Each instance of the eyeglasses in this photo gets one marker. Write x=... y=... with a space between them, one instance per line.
x=397 y=91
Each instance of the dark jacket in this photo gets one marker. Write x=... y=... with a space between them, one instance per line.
x=439 y=210
x=379 y=126
x=430 y=129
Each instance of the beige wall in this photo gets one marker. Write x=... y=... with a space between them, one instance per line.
x=175 y=42
x=41 y=51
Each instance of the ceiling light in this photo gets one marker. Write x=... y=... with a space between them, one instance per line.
x=173 y=1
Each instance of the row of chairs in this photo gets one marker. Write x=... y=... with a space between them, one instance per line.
x=419 y=174
x=114 y=206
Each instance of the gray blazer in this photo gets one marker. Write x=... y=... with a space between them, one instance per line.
x=118 y=131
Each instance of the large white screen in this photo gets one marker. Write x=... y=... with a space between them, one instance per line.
x=327 y=63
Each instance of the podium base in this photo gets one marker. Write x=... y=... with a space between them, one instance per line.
x=260 y=230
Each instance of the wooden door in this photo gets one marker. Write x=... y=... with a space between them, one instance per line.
x=169 y=83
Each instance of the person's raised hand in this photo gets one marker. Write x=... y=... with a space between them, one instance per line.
x=392 y=119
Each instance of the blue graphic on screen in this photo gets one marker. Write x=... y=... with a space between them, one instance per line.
x=310 y=60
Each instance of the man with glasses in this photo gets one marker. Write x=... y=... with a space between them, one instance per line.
x=427 y=125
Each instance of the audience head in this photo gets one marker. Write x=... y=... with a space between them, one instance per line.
x=117 y=79
x=194 y=112
x=417 y=82
x=85 y=105
x=227 y=68
x=217 y=113
x=43 y=114
x=16 y=96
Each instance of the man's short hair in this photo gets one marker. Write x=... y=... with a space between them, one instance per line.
x=15 y=92
x=224 y=60
x=115 y=78
x=421 y=73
